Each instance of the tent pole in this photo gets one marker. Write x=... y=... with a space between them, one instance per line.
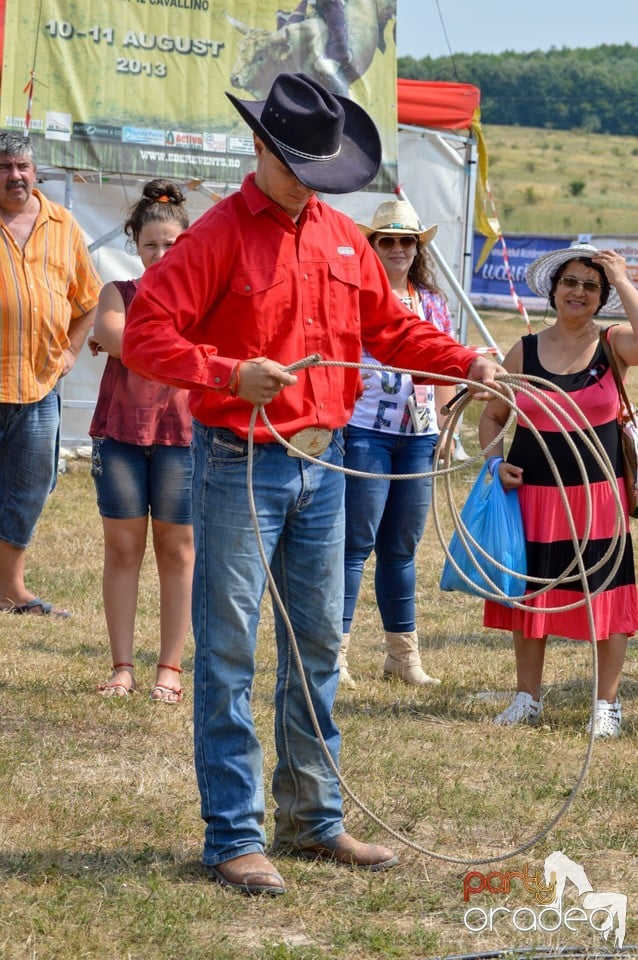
x=468 y=237
x=453 y=281
x=68 y=189
x=68 y=203
x=463 y=297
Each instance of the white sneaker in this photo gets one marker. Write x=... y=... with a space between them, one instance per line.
x=522 y=709
x=607 y=719
x=459 y=452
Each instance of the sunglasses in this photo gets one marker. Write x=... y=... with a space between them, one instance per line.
x=589 y=286
x=387 y=243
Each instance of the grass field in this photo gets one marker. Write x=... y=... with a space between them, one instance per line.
x=99 y=821
x=556 y=181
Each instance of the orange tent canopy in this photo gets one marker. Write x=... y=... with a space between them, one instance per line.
x=433 y=103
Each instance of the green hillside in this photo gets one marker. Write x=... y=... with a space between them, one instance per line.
x=558 y=89
x=557 y=181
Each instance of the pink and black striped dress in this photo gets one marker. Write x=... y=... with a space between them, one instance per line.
x=549 y=542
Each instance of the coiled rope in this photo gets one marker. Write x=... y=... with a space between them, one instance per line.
x=567 y=419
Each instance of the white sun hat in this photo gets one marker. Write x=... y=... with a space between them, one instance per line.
x=540 y=272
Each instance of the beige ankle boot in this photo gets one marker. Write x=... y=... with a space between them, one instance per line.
x=403 y=660
x=342 y=662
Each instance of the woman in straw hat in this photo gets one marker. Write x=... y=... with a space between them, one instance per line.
x=393 y=430
x=577 y=281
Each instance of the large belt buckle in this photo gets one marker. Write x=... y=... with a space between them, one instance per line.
x=312 y=441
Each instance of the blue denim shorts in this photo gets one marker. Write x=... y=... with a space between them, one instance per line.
x=28 y=465
x=131 y=480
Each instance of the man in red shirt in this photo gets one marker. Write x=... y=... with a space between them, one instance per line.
x=267 y=277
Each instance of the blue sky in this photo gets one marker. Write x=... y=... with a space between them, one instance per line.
x=491 y=26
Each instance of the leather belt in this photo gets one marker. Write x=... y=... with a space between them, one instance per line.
x=312 y=441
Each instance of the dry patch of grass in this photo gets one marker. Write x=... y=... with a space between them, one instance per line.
x=557 y=181
x=99 y=812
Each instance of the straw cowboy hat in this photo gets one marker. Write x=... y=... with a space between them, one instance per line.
x=541 y=271
x=328 y=142
x=397 y=217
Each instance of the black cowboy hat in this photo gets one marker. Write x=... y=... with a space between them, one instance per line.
x=328 y=142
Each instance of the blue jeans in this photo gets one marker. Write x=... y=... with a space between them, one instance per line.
x=300 y=511
x=28 y=465
x=131 y=479
x=387 y=516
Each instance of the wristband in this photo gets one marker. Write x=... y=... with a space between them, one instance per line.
x=492 y=464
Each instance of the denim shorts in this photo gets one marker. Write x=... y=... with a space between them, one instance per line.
x=28 y=465
x=131 y=480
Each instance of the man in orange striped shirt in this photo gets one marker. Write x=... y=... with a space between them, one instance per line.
x=48 y=294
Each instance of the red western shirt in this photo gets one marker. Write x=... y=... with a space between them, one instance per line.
x=246 y=281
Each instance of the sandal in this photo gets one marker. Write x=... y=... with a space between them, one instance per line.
x=38 y=608
x=161 y=693
x=115 y=688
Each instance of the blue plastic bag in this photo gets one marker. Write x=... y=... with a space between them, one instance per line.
x=493 y=519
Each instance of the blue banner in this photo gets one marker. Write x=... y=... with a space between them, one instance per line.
x=490 y=285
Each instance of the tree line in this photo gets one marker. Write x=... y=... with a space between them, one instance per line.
x=595 y=90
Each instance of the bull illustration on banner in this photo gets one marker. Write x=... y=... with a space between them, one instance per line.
x=305 y=41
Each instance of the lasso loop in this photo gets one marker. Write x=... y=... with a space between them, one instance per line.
x=539 y=391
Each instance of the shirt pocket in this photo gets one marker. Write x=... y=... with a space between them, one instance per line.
x=262 y=297
x=345 y=287
x=57 y=277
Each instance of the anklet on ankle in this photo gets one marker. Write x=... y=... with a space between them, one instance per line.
x=168 y=666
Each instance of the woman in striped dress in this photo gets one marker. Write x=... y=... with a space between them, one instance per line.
x=577 y=281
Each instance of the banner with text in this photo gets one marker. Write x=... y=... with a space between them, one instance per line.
x=490 y=286
x=138 y=86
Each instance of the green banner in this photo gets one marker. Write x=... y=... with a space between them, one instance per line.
x=138 y=86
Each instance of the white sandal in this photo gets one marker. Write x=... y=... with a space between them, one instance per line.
x=607 y=719
x=522 y=709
